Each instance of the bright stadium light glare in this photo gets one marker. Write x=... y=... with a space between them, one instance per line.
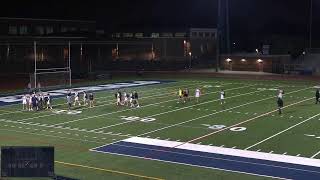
x=259 y=60
x=228 y=60
x=243 y=60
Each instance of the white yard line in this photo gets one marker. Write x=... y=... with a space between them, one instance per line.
x=291 y=127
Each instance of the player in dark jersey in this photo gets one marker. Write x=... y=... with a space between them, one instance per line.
x=34 y=102
x=91 y=100
x=280 y=105
x=69 y=101
x=136 y=98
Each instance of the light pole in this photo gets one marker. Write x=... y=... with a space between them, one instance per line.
x=310 y=24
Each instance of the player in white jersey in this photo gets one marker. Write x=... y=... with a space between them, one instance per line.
x=197 y=94
x=119 y=97
x=280 y=94
x=222 y=97
x=24 y=102
x=85 y=98
x=30 y=103
x=76 y=98
x=49 y=105
x=126 y=100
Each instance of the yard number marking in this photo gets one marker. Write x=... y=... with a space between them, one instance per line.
x=135 y=118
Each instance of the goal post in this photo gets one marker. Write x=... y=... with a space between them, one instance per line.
x=50 y=77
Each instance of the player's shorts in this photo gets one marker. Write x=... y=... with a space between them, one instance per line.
x=125 y=99
x=197 y=95
x=118 y=100
x=24 y=102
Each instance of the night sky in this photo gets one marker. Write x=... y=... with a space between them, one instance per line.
x=247 y=17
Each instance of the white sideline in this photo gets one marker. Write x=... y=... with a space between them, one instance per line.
x=227 y=151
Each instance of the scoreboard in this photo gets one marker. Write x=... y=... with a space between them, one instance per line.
x=27 y=161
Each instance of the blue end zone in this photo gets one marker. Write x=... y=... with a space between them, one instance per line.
x=212 y=160
x=16 y=98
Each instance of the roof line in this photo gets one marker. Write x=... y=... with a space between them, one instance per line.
x=35 y=19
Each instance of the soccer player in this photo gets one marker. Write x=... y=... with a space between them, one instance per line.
x=126 y=99
x=131 y=100
x=180 y=94
x=91 y=100
x=222 y=97
x=29 y=102
x=49 y=101
x=280 y=94
x=317 y=96
x=187 y=94
x=136 y=97
x=197 y=94
x=118 y=96
x=39 y=102
x=280 y=105
x=76 y=98
x=34 y=100
x=69 y=101
x=24 y=102
x=85 y=98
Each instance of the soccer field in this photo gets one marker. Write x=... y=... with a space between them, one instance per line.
x=244 y=139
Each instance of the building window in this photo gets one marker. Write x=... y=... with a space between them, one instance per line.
x=213 y=35
x=139 y=35
x=167 y=35
x=73 y=29
x=39 y=30
x=180 y=34
x=207 y=34
x=127 y=35
x=155 y=35
x=201 y=34
x=87 y=30
x=13 y=30
x=194 y=34
x=49 y=30
x=23 y=30
x=64 y=29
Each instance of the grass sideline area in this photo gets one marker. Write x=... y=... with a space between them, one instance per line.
x=254 y=100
